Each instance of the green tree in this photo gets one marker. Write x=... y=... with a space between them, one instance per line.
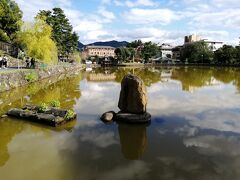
x=149 y=50
x=122 y=54
x=197 y=52
x=66 y=40
x=10 y=19
x=135 y=44
x=227 y=55
x=36 y=41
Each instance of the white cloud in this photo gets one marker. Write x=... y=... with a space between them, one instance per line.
x=150 y=16
x=140 y=3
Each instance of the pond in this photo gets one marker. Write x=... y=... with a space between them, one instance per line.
x=194 y=134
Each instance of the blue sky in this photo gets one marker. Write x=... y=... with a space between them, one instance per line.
x=161 y=21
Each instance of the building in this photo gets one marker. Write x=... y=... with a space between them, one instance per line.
x=166 y=50
x=100 y=51
x=191 y=39
x=214 y=45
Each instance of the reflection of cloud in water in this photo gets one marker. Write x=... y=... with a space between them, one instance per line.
x=98 y=138
x=100 y=97
x=206 y=108
x=215 y=145
x=134 y=170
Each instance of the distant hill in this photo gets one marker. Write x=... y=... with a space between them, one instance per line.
x=115 y=44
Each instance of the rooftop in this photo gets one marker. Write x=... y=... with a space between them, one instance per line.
x=97 y=47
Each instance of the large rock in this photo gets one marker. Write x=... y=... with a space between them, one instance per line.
x=133 y=96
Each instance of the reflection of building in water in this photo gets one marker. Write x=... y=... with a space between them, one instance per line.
x=102 y=77
x=166 y=75
x=133 y=140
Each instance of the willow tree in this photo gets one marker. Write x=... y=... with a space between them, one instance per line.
x=37 y=42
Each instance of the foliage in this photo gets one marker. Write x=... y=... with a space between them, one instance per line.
x=66 y=40
x=135 y=44
x=37 y=42
x=31 y=77
x=149 y=50
x=55 y=103
x=42 y=108
x=10 y=18
x=122 y=54
x=197 y=52
x=70 y=115
x=227 y=55
x=77 y=56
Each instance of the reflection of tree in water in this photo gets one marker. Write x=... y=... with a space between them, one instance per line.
x=192 y=77
x=133 y=140
x=199 y=77
x=148 y=75
x=8 y=130
x=66 y=91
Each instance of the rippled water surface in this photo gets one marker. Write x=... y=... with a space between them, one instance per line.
x=194 y=134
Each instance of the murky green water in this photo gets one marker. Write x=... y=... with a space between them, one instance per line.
x=194 y=134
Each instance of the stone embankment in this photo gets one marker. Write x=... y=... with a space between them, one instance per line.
x=16 y=78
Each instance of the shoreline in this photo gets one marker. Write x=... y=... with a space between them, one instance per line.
x=19 y=78
x=175 y=65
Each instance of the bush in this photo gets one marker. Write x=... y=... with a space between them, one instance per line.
x=31 y=77
x=70 y=115
x=42 y=108
x=55 y=103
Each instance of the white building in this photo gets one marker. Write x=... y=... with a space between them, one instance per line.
x=166 y=50
x=214 y=45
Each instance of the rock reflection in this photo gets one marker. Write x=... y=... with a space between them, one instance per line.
x=133 y=139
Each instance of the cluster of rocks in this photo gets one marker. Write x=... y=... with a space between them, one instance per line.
x=52 y=116
x=132 y=102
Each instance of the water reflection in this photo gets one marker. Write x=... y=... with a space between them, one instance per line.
x=195 y=130
x=133 y=139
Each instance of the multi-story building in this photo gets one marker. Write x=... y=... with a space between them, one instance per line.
x=100 y=51
x=166 y=50
x=214 y=45
x=191 y=39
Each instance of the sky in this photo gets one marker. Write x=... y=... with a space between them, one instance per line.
x=160 y=21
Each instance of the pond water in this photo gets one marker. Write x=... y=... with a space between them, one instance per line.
x=194 y=134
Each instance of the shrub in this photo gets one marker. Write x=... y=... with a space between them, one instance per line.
x=31 y=77
x=55 y=103
x=70 y=115
x=42 y=108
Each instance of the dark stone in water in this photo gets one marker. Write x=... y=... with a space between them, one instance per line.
x=108 y=116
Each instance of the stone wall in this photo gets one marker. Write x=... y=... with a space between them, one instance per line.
x=17 y=78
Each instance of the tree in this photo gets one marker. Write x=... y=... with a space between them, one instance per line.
x=135 y=44
x=10 y=19
x=66 y=40
x=197 y=52
x=122 y=54
x=36 y=41
x=149 y=50
x=227 y=55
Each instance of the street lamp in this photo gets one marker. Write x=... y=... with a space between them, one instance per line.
x=202 y=58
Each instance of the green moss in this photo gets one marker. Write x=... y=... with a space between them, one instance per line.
x=31 y=77
x=55 y=103
x=42 y=108
x=70 y=115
